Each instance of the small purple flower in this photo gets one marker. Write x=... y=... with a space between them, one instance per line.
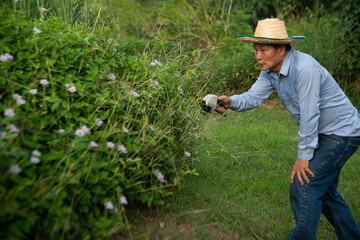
x=72 y=89
x=110 y=145
x=158 y=63
x=13 y=128
x=36 y=30
x=3 y=133
x=123 y=200
x=116 y=210
x=125 y=130
x=188 y=115
x=82 y=131
x=98 y=122
x=159 y=176
x=36 y=153
x=44 y=82
x=93 y=144
x=122 y=148
x=187 y=154
x=43 y=9
x=33 y=91
x=9 y=112
x=149 y=96
x=109 y=205
x=156 y=83
x=6 y=57
x=196 y=152
x=135 y=94
x=112 y=76
x=35 y=160
x=15 y=169
x=180 y=90
x=155 y=62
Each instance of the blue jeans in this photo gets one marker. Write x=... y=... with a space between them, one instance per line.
x=308 y=201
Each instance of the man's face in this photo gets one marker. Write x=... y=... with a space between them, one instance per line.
x=268 y=57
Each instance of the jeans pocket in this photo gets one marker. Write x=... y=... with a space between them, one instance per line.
x=352 y=144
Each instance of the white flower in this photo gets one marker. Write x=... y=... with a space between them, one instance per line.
x=20 y=101
x=123 y=200
x=67 y=85
x=98 y=122
x=109 y=205
x=36 y=30
x=79 y=133
x=149 y=96
x=93 y=144
x=152 y=64
x=13 y=128
x=187 y=154
x=36 y=153
x=18 y=98
x=122 y=148
x=44 y=82
x=110 y=145
x=159 y=175
x=72 y=89
x=15 y=169
x=9 y=112
x=33 y=91
x=3 y=58
x=34 y=160
x=126 y=130
x=61 y=131
x=135 y=94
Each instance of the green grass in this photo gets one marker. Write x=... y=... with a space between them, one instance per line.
x=242 y=187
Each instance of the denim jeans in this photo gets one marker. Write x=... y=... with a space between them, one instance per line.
x=308 y=201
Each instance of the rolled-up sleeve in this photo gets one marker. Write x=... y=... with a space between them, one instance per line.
x=253 y=98
x=308 y=91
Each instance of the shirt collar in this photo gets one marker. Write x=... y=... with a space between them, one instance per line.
x=286 y=64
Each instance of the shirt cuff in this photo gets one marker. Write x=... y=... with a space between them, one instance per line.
x=306 y=154
x=234 y=103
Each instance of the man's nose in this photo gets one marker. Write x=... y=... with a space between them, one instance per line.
x=257 y=55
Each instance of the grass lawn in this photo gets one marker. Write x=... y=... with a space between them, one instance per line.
x=242 y=187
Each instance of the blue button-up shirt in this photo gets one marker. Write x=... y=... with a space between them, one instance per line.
x=310 y=94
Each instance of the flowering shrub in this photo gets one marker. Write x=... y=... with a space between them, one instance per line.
x=86 y=130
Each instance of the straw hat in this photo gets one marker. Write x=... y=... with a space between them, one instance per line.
x=271 y=31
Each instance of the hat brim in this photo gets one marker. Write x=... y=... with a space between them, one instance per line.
x=253 y=39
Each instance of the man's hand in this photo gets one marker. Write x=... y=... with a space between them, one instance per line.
x=225 y=101
x=300 y=168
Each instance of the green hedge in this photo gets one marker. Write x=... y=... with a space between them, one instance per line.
x=87 y=130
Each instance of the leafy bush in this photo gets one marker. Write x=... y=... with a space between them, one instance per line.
x=86 y=129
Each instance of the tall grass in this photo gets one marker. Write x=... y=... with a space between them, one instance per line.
x=242 y=187
x=73 y=12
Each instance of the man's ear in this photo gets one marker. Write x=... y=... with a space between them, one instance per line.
x=283 y=50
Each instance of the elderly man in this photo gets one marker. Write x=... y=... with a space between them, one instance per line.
x=329 y=127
